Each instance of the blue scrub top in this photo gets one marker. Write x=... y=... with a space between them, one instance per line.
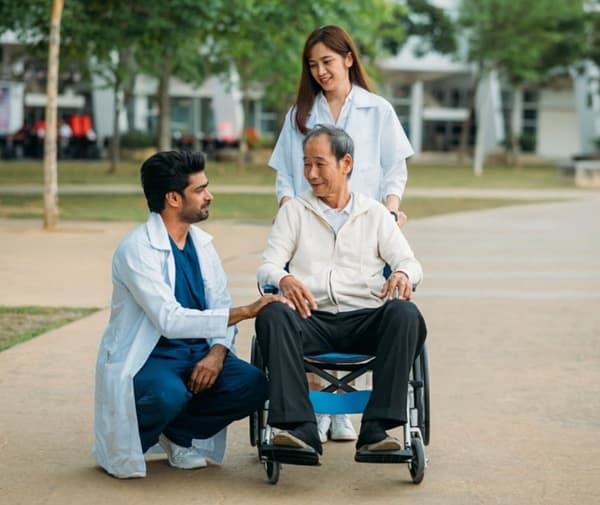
x=189 y=288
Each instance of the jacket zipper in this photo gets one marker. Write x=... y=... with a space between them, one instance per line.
x=329 y=286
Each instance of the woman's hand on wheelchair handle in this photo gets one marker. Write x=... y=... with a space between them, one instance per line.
x=298 y=294
x=397 y=286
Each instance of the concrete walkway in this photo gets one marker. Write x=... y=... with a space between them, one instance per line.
x=511 y=296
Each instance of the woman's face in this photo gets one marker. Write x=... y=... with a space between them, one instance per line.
x=328 y=68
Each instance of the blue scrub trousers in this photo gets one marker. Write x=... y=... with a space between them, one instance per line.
x=164 y=404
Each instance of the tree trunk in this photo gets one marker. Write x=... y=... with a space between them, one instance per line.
x=483 y=110
x=115 y=142
x=50 y=170
x=245 y=154
x=516 y=125
x=164 y=109
x=467 y=124
x=127 y=58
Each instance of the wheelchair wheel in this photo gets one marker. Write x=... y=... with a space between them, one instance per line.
x=272 y=468
x=421 y=375
x=255 y=419
x=417 y=463
x=426 y=406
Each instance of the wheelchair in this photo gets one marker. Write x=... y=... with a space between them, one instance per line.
x=352 y=401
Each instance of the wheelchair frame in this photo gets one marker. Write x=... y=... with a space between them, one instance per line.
x=416 y=430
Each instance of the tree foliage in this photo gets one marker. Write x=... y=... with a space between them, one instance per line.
x=264 y=40
x=522 y=40
x=435 y=30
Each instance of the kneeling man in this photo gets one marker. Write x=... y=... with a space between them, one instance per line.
x=335 y=245
x=166 y=370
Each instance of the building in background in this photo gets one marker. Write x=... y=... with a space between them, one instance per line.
x=432 y=95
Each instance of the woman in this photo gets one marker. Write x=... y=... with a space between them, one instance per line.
x=334 y=89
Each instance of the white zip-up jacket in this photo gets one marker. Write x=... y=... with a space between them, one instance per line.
x=144 y=308
x=343 y=271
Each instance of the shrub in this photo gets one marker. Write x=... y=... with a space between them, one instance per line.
x=136 y=139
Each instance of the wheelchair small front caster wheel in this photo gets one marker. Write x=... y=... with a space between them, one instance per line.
x=272 y=468
x=417 y=463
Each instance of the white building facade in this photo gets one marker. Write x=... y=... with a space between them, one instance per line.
x=432 y=95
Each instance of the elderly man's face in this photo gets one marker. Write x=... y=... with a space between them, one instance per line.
x=326 y=175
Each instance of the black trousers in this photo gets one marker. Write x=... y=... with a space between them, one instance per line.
x=394 y=333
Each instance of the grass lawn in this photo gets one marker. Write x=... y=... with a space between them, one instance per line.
x=124 y=207
x=420 y=175
x=18 y=324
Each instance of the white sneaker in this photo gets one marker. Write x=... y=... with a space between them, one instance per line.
x=341 y=428
x=323 y=424
x=182 y=457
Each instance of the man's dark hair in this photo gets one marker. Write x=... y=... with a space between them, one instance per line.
x=168 y=171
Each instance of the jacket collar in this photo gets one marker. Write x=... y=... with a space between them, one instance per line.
x=360 y=204
x=159 y=237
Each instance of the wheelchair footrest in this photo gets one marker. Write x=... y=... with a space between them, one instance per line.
x=290 y=455
x=399 y=456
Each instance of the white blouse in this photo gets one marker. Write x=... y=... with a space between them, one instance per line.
x=380 y=146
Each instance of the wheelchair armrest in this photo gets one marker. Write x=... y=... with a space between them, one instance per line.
x=270 y=289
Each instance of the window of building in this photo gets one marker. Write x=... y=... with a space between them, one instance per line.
x=206 y=117
x=262 y=118
x=401 y=100
x=181 y=115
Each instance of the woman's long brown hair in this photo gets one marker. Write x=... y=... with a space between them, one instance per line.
x=338 y=40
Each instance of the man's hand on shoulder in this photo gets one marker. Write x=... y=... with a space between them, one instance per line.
x=298 y=294
x=397 y=286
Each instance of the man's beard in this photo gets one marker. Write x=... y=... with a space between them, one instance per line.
x=195 y=216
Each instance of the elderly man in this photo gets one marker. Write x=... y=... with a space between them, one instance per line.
x=335 y=245
x=166 y=370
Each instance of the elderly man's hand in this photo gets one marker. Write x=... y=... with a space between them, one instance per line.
x=397 y=286
x=298 y=294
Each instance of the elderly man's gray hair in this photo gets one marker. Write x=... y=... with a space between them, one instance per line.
x=341 y=142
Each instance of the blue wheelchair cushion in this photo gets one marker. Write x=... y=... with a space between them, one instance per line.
x=344 y=403
x=339 y=358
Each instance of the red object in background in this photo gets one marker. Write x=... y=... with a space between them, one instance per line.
x=39 y=128
x=251 y=135
x=225 y=131
x=80 y=124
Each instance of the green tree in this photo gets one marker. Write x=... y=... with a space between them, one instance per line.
x=264 y=40
x=177 y=41
x=520 y=41
x=42 y=20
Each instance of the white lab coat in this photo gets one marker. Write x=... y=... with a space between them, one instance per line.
x=144 y=308
x=380 y=146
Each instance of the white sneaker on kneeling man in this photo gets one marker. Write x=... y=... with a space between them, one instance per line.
x=186 y=458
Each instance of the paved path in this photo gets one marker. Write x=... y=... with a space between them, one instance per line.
x=511 y=296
